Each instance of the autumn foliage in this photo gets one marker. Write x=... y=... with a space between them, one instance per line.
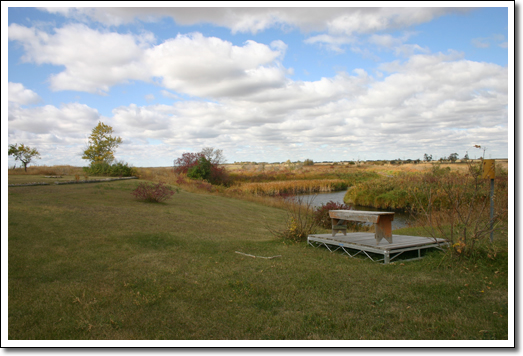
x=204 y=165
x=154 y=193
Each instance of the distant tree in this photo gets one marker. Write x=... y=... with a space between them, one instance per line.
x=427 y=157
x=214 y=155
x=24 y=154
x=101 y=144
x=308 y=162
x=453 y=157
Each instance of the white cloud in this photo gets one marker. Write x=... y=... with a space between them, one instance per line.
x=211 y=67
x=345 y=112
x=333 y=43
x=192 y=64
x=167 y=94
x=369 y=20
x=71 y=119
x=336 y=27
x=422 y=101
x=93 y=60
x=485 y=42
x=19 y=95
x=335 y=20
x=426 y=104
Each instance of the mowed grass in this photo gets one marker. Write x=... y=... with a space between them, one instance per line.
x=89 y=261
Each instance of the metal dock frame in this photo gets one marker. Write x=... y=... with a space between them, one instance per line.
x=389 y=252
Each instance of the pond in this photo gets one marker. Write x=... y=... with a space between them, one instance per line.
x=400 y=218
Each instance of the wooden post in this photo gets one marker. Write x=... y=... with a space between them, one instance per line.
x=489 y=172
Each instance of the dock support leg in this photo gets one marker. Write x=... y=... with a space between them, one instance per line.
x=386 y=257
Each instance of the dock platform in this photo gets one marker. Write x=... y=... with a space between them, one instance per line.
x=356 y=243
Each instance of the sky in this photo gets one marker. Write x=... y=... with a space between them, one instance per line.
x=265 y=83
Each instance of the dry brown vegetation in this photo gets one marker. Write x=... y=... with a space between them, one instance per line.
x=47 y=170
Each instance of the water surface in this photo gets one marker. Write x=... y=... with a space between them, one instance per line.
x=400 y=218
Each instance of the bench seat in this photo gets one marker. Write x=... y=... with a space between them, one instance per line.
x=382 y=220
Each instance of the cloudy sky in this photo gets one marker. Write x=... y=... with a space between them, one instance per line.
x=263 y=84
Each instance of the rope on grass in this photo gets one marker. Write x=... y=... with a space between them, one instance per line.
x=246 y=254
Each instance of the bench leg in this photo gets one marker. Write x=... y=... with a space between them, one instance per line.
x=339 y=225
x=384 y=228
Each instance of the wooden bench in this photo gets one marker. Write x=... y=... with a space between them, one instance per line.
x=381 y=219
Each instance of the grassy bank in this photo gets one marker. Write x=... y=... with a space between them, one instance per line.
x=90 y=262
x=398 y=190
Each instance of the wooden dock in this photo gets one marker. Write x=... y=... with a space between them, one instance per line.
x=356 y=243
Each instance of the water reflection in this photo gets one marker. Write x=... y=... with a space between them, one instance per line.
x=400 y=218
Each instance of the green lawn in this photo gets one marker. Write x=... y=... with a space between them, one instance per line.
x=89 y=261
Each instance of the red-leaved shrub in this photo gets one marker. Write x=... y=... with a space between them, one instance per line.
x=154 y=193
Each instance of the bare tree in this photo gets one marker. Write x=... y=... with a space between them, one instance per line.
x=215 y=156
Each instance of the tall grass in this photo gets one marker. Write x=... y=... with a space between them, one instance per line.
x=395 y=191
x=293 y=187
x=47 y=170
x=351 y=175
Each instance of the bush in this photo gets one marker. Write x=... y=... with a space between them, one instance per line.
x=322 y=218
x=118 y=169
x=188 y=160
x=202 y=170
x=204 y=165
x=153 y=193
x=455 y=206
x=308 y=162
x=300 y=222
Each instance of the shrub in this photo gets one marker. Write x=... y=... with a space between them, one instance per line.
x=118 y=169
x=153 y=193
x=455 y=206
x=300 y=222
x=219 y=176
x=202 y=170
x=322 y=218
x=186 y=162
x=203 y=165
x=308 y=162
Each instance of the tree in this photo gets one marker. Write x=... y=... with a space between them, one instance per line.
x=24 y=154
x=427 y=157
x=453 y=157
x=101 y=144
x=214 y=155
x=186 y=162
x=202 y=170
x=308 y=162
x=203 y=165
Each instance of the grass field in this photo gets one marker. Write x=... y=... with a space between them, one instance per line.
x=90 y=262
